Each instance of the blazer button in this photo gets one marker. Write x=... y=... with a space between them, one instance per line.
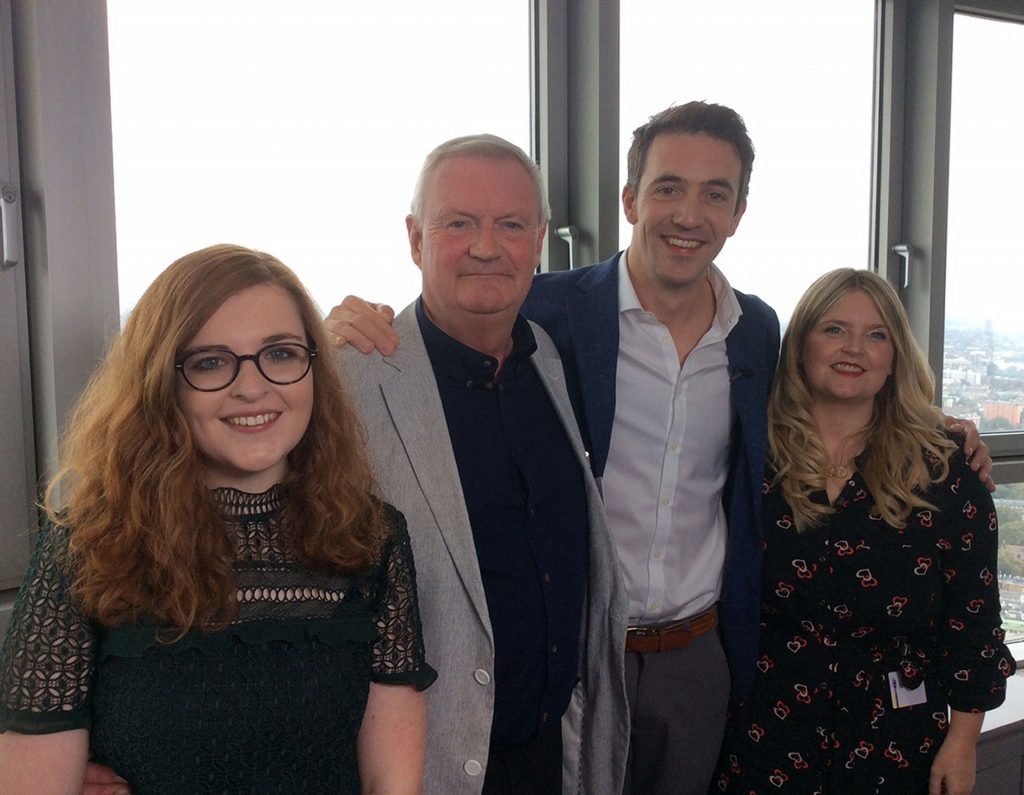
x=473 y=768
x=482 y=676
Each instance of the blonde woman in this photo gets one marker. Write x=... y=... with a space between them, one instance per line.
x=217 y=604
x=881 y=644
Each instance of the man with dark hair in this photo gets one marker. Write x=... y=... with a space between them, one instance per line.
x=717 y=121
x=669 y=369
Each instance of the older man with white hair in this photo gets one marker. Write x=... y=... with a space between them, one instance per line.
x=474 y=440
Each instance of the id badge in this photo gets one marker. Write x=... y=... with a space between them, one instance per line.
x=903 y=696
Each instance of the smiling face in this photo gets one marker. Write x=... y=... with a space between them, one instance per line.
x=848 y=354
x=683 y=210
x=478 y=244
x=246 y=431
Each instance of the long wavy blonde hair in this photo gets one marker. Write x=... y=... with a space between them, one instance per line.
x=906 y=448
x=146 y=537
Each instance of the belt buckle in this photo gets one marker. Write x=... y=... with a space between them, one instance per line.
x=643 y=632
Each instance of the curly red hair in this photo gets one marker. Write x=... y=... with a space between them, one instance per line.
x=146 y=538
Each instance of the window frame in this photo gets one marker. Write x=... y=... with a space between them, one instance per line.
x=62 y=114
x=17 y=493
x=915 y=53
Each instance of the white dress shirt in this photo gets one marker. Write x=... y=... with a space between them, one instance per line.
x=668 y=459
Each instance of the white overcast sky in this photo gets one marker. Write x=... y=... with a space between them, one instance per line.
x=298 y=128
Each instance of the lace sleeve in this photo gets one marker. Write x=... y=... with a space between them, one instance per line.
x=398 y=651
x=47 y=658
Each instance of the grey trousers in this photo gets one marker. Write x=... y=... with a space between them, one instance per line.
x=677 y=702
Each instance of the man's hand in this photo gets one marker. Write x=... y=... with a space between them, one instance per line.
x=101 y=780
x=975 y=450
x=364 y=326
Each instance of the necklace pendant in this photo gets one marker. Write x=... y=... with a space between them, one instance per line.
x=838 y=471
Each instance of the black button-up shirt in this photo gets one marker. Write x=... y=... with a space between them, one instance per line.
x=527 y=505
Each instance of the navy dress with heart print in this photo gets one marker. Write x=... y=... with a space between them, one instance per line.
x=846 y=604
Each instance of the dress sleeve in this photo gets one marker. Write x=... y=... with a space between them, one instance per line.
x=398 y=656
x=48 y=655
x=974 y=662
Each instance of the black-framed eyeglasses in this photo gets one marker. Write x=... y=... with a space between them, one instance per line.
x=211 y=370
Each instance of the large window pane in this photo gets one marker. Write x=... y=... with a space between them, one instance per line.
x=983 y=369
x=1009 y=499
x=298 y=127
x=800 y=73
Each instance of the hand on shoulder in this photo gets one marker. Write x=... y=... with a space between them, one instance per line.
x=363 y=325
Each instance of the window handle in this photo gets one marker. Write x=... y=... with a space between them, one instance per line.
x=570 y=234
x=10 y=208
x=906 y=254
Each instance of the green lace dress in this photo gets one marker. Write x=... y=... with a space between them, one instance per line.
x=272 y=703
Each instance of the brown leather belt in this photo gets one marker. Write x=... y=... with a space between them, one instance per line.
x=676 y=635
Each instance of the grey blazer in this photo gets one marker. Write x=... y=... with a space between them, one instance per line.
x=398 y=402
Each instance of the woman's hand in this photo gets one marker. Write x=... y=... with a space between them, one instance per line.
x=101 y=780
x=955 y=764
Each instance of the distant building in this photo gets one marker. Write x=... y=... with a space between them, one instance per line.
x=961 y=375
x=1011 y=412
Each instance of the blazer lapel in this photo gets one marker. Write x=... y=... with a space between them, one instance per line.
x=747 y=394
x=594 y=326
x=552 y=375
x=414 y=405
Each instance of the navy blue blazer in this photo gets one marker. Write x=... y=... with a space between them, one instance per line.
x=579 y=309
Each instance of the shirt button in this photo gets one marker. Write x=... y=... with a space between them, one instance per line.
x=488 y=385
x=673 y=446
x=482 y=676
x=654 y=606
x=469 y=385
x=472 y=767
x=488 y=363
x=657 y=553
x=665 y=500
x=547 y=577
x=544 y=717
x=554 y=648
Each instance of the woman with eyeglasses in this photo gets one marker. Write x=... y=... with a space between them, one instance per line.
x=217 y=603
